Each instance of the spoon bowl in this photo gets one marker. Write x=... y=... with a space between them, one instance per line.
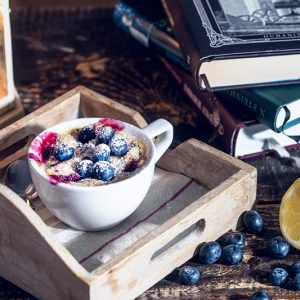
x=17 y=178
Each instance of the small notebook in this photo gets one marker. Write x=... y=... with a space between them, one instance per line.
x=169 y=194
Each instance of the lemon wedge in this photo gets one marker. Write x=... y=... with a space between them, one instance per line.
x=289 y=215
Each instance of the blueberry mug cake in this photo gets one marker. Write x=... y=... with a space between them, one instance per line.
x=93 y=155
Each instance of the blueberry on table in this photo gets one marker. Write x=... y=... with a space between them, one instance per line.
x=210 y=253
x=232 y=255
x=118 y=147
x=260 y=295
x=102 y=170
x=84 y=168
x=253 y=221
x=236 y=238
x=278 y=247
x=105 y=135
x=296 y=282
x=189 y=275
x=64 y=152
x=86 y=134
x=278 y=276
x=101 y=153
x=295 y=268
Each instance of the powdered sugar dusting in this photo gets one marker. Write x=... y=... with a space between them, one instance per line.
x=85 y=151
x=65 y=171
x=85 y=164
x=101 y=148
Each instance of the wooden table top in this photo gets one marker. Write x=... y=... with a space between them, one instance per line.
x=55 y=50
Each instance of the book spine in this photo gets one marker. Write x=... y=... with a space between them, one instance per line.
x=225 y=124
x=264 y=110
x=183 y=34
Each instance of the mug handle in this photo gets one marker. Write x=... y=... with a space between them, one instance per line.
x=164 y=131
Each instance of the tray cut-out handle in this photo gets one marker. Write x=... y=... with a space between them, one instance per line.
x=189 y=236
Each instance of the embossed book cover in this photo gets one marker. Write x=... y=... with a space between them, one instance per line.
x=232 y=44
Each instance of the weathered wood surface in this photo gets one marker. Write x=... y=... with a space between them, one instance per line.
x=56 y=50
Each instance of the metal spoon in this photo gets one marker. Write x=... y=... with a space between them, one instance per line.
x=17 y=177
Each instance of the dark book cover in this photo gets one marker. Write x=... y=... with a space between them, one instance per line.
x=226 y=31
x=272 y=106
x=277 y=107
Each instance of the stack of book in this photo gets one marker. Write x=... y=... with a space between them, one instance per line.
x=238 y=61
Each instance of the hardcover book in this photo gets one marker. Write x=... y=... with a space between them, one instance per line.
x=238 y=132
x=241 y=43
x=232 y=114
x=277 y=107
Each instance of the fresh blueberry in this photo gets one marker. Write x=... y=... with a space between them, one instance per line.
x=101 y=153
x=105 y=135
x=118 y=147
x=64 y=152
x=295 y=268
x=189 y=275
x=210 y=253
x=236 y=238
x=278 y=276
x=86 y=134
x=84 y=168
x=253 y=221
x=278 y=247
x=296 y=282
x=232 y=255
x=261 y=295
x=102 y=170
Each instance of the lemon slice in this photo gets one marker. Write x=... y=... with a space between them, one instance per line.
x=289 y=215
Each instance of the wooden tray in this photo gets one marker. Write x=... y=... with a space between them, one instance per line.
x=34 y=259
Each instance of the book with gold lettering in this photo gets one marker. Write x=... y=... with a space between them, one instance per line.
x=277 y=107
x=244 y=119
x=237 y=44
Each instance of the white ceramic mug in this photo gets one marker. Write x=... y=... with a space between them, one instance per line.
x=100 y=207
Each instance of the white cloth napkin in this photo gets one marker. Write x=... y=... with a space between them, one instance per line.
x=169 y=194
